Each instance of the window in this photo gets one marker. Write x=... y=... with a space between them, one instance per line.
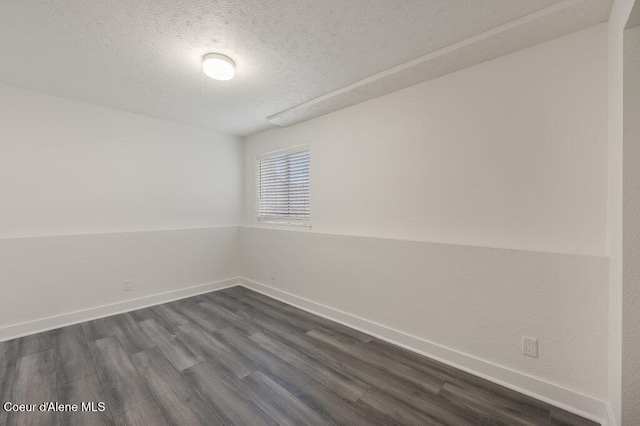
x=283 y=187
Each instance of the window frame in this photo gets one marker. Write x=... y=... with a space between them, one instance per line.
x=259 y=157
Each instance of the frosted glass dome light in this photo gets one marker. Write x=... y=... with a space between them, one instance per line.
x=218 y=67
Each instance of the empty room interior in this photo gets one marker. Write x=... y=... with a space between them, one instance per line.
x=336 y=212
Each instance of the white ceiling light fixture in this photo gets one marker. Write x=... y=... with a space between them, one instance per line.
x=218 y=67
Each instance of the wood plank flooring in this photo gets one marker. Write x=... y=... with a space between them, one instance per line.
x=237 y=357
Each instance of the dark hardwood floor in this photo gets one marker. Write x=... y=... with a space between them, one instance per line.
x=237 y=357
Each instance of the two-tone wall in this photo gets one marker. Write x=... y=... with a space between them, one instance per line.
x=452 y=217
x=91 y=197
x=461 y=214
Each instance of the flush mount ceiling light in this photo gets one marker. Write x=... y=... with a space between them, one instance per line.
x=218 y=67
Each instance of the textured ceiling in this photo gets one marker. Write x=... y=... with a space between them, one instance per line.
x=144 y=55
x=551 y=22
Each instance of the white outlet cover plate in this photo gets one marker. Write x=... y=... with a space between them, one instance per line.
x=530 y=346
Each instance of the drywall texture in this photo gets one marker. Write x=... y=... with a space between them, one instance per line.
x=621 y=16
x=48 y=276
x=72 y=168
x=479 y=301
x=74 y=177
x=511 y=153
x=614 y=209
x=631 y=231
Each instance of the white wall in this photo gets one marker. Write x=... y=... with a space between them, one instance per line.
x=509 y=154
x=479 y=301
x=614 y=204
x=48 y=282
x=69 y=168
x=631 y=228
x=617 y=191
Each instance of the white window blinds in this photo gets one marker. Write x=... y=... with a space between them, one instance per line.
x=283 y=187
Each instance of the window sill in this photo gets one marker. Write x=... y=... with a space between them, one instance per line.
x=282 y=225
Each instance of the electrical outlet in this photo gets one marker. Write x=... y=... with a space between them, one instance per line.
x=530 y=346
x=127 y=285
x=272 y=274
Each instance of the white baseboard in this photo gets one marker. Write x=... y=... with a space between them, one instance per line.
x=558 y=396
x=44 y=324
x=575 y=402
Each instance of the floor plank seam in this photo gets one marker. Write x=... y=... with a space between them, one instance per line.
x=238 y=348
x=365 y=392
x=95 y=368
